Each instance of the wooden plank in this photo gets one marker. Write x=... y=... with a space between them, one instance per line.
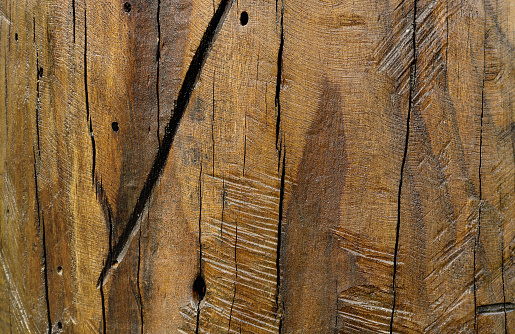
x=297 y=166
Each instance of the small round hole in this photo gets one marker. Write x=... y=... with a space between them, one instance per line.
x=244 y=18
x=16 y=36
x=60 y=270
x=60 y=325
x=199 y=288
x=127 y=7
x=115 y=126
x=40 y=72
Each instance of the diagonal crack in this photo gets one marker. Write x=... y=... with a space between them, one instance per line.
x=190 y=80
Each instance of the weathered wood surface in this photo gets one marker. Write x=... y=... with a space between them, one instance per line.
x=339 y=166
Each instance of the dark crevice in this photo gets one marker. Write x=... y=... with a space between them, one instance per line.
x=86 y=98
x=140 y=298
x=104 y=321
x=73 y=12
x=236 y=273
x=85 y=59
x=93 y=149
x=34 y=27
x=476 y=245
x=279 y=80
x=38 y=100
x=498 y=308
x=199 y=291
x=412 y=93
x=158 y=63
x=198 y=318
x=41 y=226
x=505 y=305
x=41 y=220
x=190 y=80
x=245 y=144
x=213 y=125
x=105 y=205
x=279 y=233
x=199 y=286
x=200 y=221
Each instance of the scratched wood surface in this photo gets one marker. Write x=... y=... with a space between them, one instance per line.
x=244 y=166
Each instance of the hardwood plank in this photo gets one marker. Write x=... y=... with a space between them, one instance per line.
x=257 y=167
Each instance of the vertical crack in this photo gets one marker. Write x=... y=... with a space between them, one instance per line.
x=476 y=244
x=412 y=87
x=41 y=220
x=73 y=11
x=38 y=97
x=190 y=80
x=213 y=125
x=503 y=286
x=245 y=144
x=279 y=235
x=86 y=97
x=200 y=219
x=201 y=275
x=158 y=60
x=279 y=79
x=41 y=225
x=102 y=299
x=223 y=209
x=140 y=298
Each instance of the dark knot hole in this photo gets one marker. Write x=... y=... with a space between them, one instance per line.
x=199 y=288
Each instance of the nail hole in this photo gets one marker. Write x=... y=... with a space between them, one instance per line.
x=60 y=270
x=115 y=126
x=16 y=36
x=127 y=7
x=40 y=72
x=244 y=18
x=59 y=325
x=199 y=288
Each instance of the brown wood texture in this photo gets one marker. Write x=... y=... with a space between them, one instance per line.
x=326 y=167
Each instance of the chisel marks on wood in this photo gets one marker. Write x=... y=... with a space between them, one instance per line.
x=19 y=310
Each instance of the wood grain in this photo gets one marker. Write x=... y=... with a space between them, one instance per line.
x=334 y=167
